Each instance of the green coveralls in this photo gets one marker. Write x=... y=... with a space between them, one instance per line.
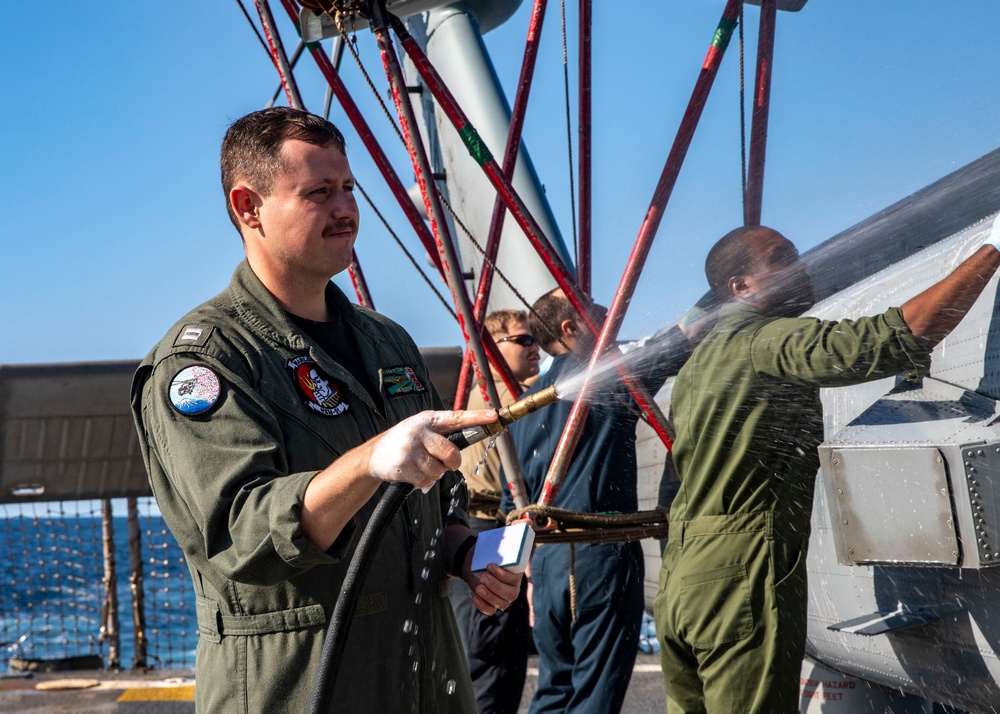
x=230 y=484
x=731 y=607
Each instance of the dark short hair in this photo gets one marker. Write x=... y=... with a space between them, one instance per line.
x=729 y=257
x=252 y=146
x=549 y=311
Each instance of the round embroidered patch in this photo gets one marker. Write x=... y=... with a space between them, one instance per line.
x=194 y=390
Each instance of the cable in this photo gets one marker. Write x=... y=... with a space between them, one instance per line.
x=569 y=133
x=254 y=28
x=407 y=253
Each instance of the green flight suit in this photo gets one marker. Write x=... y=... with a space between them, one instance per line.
x=731 y=606
x=230 y=481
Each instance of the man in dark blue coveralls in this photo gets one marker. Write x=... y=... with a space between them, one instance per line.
x=586 y=652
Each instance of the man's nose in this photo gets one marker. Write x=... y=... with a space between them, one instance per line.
x=344 y=206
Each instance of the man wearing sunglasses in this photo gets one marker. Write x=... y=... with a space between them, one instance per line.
x=497 y=645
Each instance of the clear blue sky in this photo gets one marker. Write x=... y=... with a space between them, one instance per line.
x=113 y=222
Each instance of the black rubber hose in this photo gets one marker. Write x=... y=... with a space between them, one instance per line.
x=350 y=591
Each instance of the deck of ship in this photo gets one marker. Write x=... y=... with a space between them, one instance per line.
x=172 y=691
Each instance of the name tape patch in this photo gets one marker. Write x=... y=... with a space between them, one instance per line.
x=400 y=381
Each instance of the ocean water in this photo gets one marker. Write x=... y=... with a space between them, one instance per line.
x=52 y=593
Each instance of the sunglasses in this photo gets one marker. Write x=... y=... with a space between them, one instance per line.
x=523 y=340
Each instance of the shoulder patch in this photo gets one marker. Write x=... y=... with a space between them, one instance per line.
x=400 y=381
x=321 y=393
x=193 y=335
x=194 y=390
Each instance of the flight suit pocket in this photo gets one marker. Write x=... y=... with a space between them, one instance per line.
x=716 y=606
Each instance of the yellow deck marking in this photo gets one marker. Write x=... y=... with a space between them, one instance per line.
x=158 y=694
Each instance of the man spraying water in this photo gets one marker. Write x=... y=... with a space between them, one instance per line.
x=731 y=609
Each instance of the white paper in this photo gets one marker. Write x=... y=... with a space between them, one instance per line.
x=509 y=547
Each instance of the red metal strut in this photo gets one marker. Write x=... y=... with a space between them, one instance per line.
x=583 y=269
x=278 y=55
x=519 y=211
x=446 y=249
x=661 y=195
x=761 y=103
x=499 y=207
x=359 y=282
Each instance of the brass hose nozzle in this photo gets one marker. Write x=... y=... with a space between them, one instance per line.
x=505 y=417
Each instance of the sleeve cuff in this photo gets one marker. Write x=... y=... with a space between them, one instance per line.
x=917 y=349
x=289 y=541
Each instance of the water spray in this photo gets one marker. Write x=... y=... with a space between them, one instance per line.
x=505 y=417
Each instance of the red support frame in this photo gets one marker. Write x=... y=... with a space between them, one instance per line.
x=499 y=207
x=443 y=241
x=647 y=231
x=278 y=55
x=512 y=202
x=761 y=105
x=531 y=229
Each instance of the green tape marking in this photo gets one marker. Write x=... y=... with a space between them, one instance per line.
x=475 y=144
x=724 y=32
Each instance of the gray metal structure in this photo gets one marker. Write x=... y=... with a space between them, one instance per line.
x=452 y=38
x=68 y=432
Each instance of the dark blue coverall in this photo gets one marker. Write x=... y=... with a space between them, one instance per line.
x=585 y=665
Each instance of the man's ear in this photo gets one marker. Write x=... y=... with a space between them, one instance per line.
x=245 y=201
x=568 y=328
x=740 y=288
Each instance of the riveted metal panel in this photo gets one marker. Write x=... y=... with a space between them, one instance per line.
x=982 y=477
x=893 y=506
x=912 y=480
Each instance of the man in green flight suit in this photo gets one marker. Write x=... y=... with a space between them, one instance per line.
x=271 y=419
x=731 y=607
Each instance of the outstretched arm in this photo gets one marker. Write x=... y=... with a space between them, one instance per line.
x=413 y=451
x=937 y=310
